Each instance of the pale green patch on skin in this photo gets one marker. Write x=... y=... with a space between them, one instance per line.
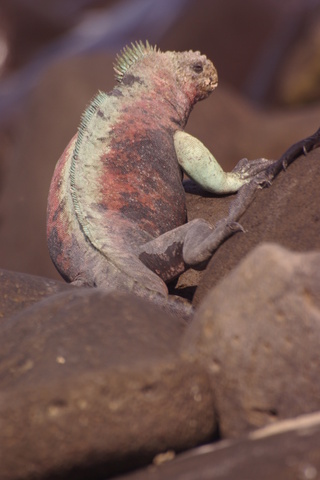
x=87 y=166
x=202 y=167
x=87 y=117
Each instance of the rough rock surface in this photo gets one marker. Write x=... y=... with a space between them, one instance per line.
x=286 y=213
x=257 y=333
x=91 y=385
x=289 y=451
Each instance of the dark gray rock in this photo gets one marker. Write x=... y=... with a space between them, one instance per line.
x=20 y=290
x=91 y=385
x=286 y=213
x=257 y=333
x=289 y=450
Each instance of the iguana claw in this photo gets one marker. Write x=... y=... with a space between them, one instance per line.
x=248 y=169
x=236 y=227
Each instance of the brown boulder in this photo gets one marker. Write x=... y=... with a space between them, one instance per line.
x=257 y=333
x=91 y=385
x=288 y=451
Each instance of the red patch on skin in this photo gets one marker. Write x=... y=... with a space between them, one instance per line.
x=141 y=177
x=59 y=233
x=54 y=199
x=137 y=193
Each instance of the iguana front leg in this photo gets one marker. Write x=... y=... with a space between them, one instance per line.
x=201 y=166
x=193 y=244
x=247 y=175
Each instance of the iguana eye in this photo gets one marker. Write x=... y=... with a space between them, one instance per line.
x=197 y=67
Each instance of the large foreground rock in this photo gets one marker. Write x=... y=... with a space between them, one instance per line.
x=91 y=385
x=257 y=333
x=289 y=450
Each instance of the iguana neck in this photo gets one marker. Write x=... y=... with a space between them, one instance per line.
x=157 y=90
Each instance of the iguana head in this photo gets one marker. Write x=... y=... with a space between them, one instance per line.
x=190 y=71
x=196 y=75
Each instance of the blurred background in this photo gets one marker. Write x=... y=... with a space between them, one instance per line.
x=56 y=54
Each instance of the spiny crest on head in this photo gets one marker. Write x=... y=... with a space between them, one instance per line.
x=130 y=55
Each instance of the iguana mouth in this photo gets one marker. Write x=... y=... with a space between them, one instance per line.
x=212 y=85
x=212 y=80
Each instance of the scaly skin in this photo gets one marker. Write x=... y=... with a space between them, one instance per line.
x=126 y=176
x=116 y=207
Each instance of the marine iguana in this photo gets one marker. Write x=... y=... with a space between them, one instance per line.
x=116 y=209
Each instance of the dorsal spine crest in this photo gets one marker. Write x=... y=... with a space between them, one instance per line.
x=130 y=55
x=83 y=128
